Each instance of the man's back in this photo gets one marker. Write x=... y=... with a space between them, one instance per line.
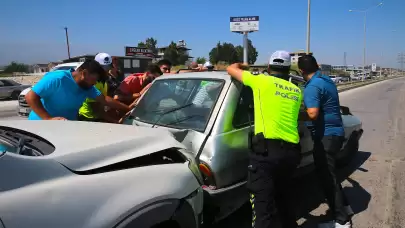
x=277 y=103
x=322 y=89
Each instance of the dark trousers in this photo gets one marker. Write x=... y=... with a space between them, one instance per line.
x=325 y=151
x=269 y=184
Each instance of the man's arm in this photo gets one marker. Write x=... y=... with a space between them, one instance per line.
x=110 y=102
x=43 y=89
x=34 y=101
x=312 y=101
x=236 y=71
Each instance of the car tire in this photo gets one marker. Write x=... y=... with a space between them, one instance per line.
x=15 y=94
x=350 y=150
x=167 y=224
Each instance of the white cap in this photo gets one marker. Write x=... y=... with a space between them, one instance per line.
x=280 y=55
x=207 y=64
x=104 y=59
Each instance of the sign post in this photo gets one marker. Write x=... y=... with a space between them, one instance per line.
x=245 y=25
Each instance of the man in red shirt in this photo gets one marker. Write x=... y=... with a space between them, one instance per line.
x=135 y=85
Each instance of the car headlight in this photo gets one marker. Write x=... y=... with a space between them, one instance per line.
x=194 y=169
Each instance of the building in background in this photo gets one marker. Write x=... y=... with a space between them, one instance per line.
x=181 y=45
x=325 y=69
x=127 y=64
x=296 y=55
x=39 y=68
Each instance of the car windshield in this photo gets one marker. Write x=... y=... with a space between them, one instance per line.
x=63 y=68
x=196 y=95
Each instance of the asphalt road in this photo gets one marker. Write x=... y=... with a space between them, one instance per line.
x=375 y=179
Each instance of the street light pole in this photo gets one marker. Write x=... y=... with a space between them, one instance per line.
x=308 y=26
x=365 y=44
x=365 y=33
x=67 y=41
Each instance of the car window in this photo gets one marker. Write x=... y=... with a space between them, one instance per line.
x=199 y=96
x=7 y=83
x=244 y=112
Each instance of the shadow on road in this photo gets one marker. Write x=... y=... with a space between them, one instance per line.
x=309 y=196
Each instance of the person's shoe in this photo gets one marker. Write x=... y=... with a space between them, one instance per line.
x=346 y=225
x=333 y=224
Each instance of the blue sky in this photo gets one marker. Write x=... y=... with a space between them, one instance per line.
x=32 y=31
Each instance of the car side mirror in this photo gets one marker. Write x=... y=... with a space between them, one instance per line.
x=344 y=110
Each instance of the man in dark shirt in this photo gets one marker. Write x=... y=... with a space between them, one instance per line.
x=321 y=99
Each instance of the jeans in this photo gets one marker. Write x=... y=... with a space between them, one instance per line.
x=325 y=151
x=269 y=180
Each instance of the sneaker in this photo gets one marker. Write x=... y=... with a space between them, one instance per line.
x=346 y=225
x=333 y=224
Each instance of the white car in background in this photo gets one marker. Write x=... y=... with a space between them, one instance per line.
x=23 y=108
x=335 y=79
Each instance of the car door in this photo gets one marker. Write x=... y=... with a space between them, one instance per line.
x=3 y=89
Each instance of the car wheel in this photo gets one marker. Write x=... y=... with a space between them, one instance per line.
x=352 y=147
x=15 y=94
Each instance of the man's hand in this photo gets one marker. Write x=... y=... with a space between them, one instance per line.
x=236 y=70
x=57 y=118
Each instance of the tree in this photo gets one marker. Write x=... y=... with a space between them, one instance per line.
x=201 y=60
x=16 y=67
x=151 y=44
x=228 y=53
x=141 y=45
x=252 y=53
x=225 y=52
x=175 y=55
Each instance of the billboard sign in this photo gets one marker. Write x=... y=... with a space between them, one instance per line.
x=374 y=67
x=138 y=51
x=244 y=24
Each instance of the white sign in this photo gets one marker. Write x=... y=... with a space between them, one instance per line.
x=244 y=24
x=374 y=67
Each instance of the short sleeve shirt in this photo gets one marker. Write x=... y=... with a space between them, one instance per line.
x=131 y=84
x=276 y=106
x=61 y=96
x=321 y=92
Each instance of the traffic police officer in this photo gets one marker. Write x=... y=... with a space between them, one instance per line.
x=275 y=144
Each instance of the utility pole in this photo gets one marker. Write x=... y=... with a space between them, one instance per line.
x=344 y=60
x=67 y=41
x=309 y=26
x=401 y=60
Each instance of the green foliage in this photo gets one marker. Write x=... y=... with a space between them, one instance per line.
x=149 y=43
x=174 y=55
x=228 y=53
x=16 y=67
x=201 y=60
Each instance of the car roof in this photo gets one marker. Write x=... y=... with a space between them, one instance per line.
x=222 y=75
x=73 y=64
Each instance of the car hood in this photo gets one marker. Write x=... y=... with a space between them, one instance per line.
x=83 y=146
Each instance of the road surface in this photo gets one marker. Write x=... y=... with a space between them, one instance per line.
x=374 y=181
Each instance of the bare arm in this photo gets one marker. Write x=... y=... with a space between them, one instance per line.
x=110 y=102
x=34 y=101
x=236 y=70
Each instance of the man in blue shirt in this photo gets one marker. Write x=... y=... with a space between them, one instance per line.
x=60 y=94
x=321 y=99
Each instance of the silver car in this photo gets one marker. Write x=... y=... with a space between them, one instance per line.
x=212 y=116
x=11 y=89
x=94 y=175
